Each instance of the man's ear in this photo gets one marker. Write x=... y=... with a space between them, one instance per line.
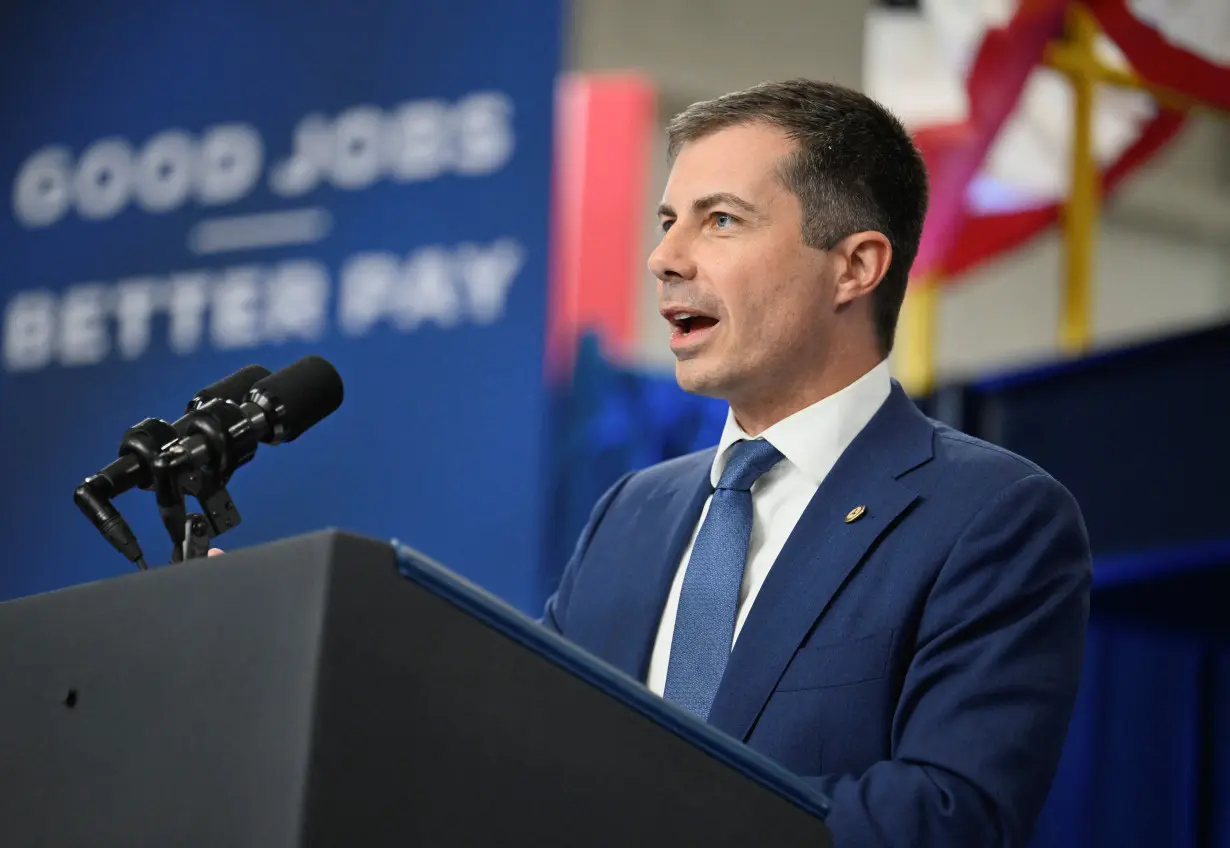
x=863 y=262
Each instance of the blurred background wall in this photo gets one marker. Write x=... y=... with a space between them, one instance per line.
x=1163 y=257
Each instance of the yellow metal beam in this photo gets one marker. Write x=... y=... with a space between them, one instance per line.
x=1075 y=56
x=1081 y=212
x=1072 y=61
x=915 y=354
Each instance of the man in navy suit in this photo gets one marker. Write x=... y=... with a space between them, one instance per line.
x=889 y=608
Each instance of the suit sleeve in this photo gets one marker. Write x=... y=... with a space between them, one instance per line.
x=556 y=611
x=986 y=701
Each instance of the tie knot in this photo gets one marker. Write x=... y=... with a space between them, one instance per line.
x=748 y=460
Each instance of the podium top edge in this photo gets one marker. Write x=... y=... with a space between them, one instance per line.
x=510 y=621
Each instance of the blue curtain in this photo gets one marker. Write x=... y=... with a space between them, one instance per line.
x=610 y=420
x=1147 y=760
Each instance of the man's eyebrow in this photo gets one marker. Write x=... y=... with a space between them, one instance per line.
x=701 y=204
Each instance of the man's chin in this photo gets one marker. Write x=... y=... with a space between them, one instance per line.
x=699 y=378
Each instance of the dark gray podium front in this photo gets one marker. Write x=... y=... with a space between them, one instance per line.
x=335 y=690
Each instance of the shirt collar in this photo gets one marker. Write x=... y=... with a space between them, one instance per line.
x=814 y=438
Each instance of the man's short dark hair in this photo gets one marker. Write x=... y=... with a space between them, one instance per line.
x=856 y=170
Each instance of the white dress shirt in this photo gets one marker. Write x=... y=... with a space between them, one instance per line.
x=811 y=441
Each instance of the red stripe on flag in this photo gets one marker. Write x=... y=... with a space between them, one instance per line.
x=1158 y=60
x=1003 y=63
x=984 y=237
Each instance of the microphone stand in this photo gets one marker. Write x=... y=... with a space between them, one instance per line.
x=140 y=451
x=191 y=533
x=218 y=514
x=218 y=436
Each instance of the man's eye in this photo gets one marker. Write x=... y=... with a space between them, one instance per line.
x=666 y=225
x=723 y=219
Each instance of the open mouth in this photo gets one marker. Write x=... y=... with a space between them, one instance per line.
x=688 y=329
x=686 y=323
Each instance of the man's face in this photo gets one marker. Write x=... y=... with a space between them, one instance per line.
x=732 y=255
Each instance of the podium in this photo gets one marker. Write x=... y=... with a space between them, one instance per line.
x=335 y=690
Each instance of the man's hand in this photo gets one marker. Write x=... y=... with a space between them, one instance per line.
x=215 y=552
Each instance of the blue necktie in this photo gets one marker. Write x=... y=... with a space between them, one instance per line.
x=705 y=623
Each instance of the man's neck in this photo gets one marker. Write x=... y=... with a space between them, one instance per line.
x=759 y=413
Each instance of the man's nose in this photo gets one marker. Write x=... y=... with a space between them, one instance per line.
x=672 y=259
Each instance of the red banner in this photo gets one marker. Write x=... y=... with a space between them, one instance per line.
x=605 y=123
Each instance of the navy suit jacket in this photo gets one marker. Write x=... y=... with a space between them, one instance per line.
x=918 y=665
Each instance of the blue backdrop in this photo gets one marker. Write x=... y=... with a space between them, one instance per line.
x=193 y=190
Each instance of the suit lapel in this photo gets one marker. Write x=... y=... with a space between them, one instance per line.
x=821 y=554
x=662 y=531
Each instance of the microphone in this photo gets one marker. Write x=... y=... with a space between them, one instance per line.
x=279 y=408
x=143 y=441
x=223 y=435
x=233 y=387
x=139 y=448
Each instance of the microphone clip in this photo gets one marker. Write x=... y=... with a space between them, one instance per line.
x=196 y=539
x=175 y=476
x=218 y=515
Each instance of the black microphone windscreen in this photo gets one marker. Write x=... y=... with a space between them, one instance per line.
x=233 y=388
x=306 y=391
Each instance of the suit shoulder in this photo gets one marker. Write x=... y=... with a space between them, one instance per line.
x=974 y=464
x=973 y=478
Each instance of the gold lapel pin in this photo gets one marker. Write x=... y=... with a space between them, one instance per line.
x=855 y=514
